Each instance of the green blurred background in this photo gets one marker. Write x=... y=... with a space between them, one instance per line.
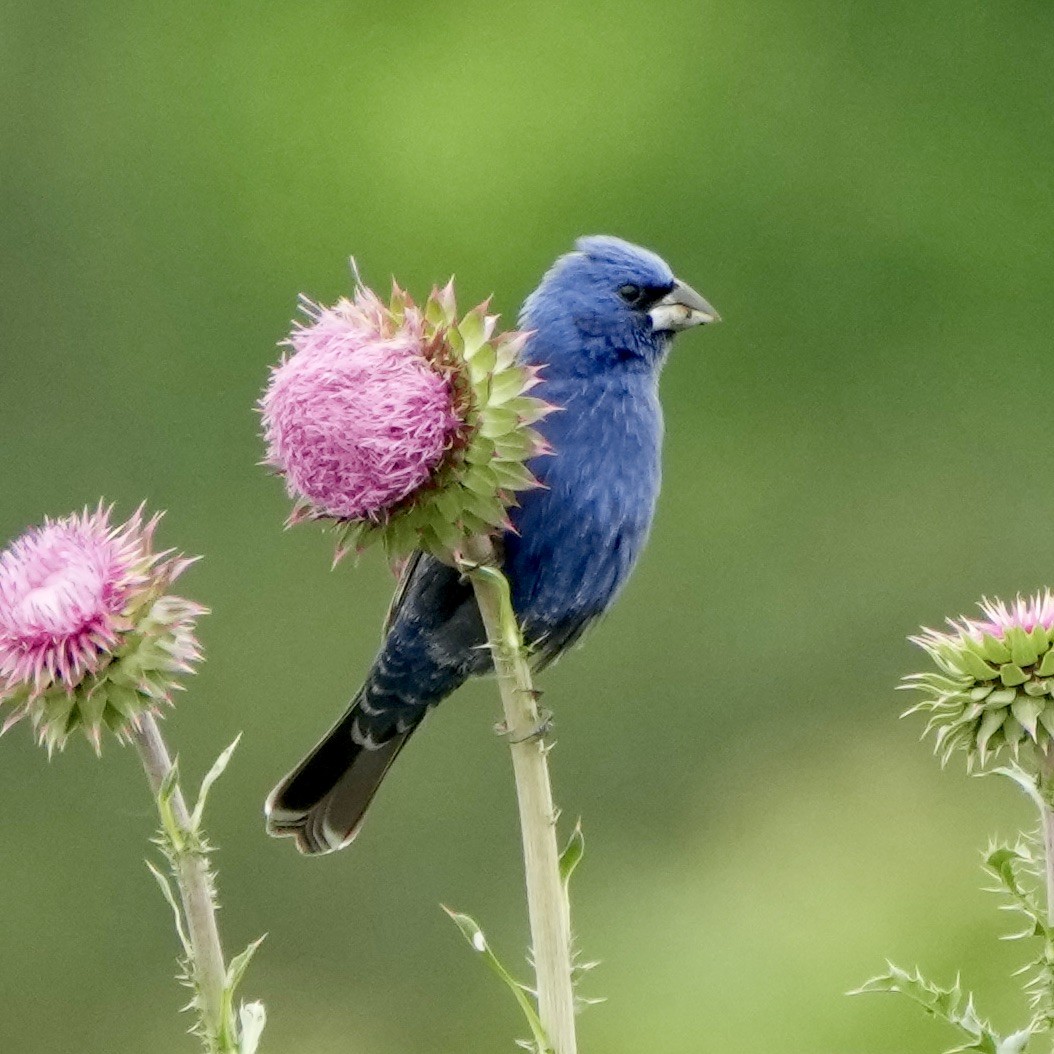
x=865 y=192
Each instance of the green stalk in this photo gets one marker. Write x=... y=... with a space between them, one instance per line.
x=1044 y=796
x=547 y=902
x=1046 y=788
x=191 y=871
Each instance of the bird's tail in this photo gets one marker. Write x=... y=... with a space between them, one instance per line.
x=322 y=802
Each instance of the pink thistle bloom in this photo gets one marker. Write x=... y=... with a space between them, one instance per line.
x=1024 y=614
x=406 y=425
x=994 y=684
x=86 y=637
x=358 y=417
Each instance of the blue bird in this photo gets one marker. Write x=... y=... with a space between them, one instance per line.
x=602 y=321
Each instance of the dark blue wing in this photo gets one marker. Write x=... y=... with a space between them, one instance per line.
x=434 y=640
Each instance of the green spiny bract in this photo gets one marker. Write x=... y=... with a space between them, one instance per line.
x=139 y=679
x=994 y=687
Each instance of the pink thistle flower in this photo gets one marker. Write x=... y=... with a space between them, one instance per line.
x=1001 y=622
x=1025 y=613
x=403 y=424
x=357 y=418
x=994 y=686
x=86 y=637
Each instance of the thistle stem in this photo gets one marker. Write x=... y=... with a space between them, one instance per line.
x=547 y=902
x=1048 y=846
x=196 y=892
x=1045 y=760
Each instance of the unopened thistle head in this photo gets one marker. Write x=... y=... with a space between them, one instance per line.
x=88 y=637
x=402 y=424
x=994 y=687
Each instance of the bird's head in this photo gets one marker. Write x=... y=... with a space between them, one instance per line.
x=609 y=304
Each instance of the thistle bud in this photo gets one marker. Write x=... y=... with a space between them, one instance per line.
x=994 y=687
x=89 y=637
x=402 y=424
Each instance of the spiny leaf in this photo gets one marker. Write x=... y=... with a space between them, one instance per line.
x=177 y=911
x=173 y=833
x=214 y=773
x=240 y=963
x=945 y=1003
x=474 y=935
x=1026 y=782
x=572 y=855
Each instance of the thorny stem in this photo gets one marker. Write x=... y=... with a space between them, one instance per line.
x=196 y=893
x=1045 y=759
x=546 y=896
x=1045 y=787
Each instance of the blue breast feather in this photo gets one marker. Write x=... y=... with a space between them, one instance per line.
x=579 y=538
x=577 y=541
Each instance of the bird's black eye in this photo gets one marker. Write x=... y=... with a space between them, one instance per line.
x=630 y=293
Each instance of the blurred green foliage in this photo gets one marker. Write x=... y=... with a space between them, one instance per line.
x=865 y=192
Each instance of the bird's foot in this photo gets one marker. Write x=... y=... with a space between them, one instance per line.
x=540 y=730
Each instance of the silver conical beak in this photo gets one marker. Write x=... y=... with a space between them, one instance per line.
x=682 y=308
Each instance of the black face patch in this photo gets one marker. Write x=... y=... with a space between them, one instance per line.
x=643 y=297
